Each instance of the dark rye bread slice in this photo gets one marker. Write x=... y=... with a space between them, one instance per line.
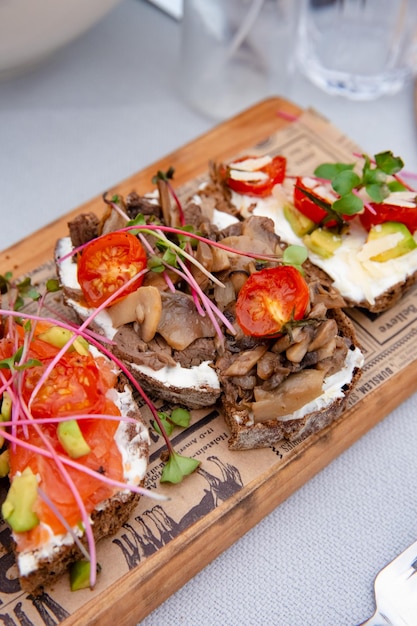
x=246 y=435
x=106 y=519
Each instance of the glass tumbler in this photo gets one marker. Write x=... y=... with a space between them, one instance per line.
x=361 y=49
x=235 y=53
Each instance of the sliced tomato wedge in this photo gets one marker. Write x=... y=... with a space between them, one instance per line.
x=311 y=209
x=274 y=173
x=306 y=205
x=109 y=262
x=271 y=298
x=386 y=212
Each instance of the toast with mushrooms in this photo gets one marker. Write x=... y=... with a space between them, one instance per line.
x=166 y=344
x=293 y=385
x=251 y=373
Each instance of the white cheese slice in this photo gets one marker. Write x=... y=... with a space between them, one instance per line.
x=252 y=177
x=251 y=164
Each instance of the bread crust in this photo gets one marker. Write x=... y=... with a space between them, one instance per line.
x=389 y=298
x=104 y=523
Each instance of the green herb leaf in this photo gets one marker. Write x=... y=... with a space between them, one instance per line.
x=377 y=193
x=26 y=289
x=177 y=467
x=180 y=417
x=388 y=163
x=170 y=257
x=328 y=171
x=345 y=181
x=52 y=285
x=166 y=424
x=4 y=284
x=374 y=176
x=27 y=364
x=349 y=204
x=295 y=255
x=155 y=265
x=395 y=185
x=12 y=362
x=139 y=220
x=168 y=175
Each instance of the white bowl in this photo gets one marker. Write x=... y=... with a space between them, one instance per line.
x=31 y=30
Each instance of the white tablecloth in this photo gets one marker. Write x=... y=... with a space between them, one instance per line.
x=103 y=108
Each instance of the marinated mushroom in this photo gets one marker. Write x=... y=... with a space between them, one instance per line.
x=180 y=323
x=293 y=393
x=124 y=311
x=148 y=311
x=245 y=361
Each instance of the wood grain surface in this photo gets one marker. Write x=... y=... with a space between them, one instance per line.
x=144 y=588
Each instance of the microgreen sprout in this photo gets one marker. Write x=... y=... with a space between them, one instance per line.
x=177 y=467
x=378 y=177
x=178 y=417
x=295 y=255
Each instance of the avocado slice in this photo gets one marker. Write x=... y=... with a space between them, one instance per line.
x=301 y=224
x=405 y=244
x=4 y=464
x=71 y=439
x=17 y=509
x=58 y=337
x=6 y=407
x=80 y=574
x=323 y=241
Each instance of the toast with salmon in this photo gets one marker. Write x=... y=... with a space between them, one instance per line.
x=75 y=450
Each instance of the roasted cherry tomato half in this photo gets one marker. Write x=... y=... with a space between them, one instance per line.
x=385 y=212
x=270 y=298
x=274 y=172
x=109 y=262
x=309 y=208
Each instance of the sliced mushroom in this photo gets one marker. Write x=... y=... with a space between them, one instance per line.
x=221 y=259
x=124 y=311
x=294 y=393
x=267 y=365
x=245 y=361
x=325 y=333
x=112 y=220
x=180 y=323
x=204 y=256
x=148 y=311
x=296 y=352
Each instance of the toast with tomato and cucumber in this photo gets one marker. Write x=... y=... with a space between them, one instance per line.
x=74 y=445
x=206 y=307
x=358 y=220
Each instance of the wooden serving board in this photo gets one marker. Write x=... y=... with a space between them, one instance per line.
x=277 y=473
